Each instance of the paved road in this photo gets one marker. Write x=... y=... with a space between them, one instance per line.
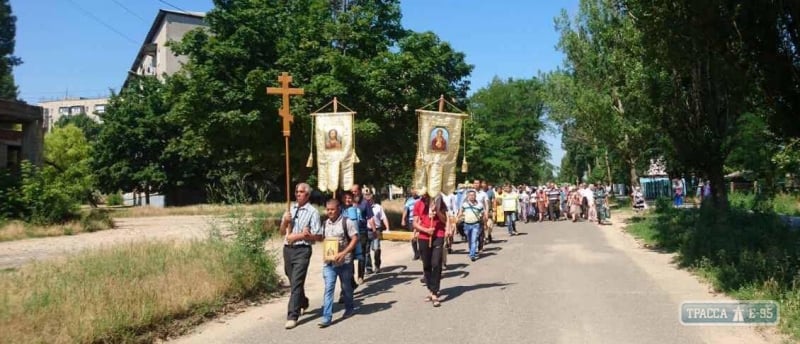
x=556 y=283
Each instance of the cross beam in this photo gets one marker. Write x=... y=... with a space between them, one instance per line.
x=285 y=91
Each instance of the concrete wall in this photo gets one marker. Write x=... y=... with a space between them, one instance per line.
x=164 y=61
x=176 y=27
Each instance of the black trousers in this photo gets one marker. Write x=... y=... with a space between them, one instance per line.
x=413 y=241
x=295 y=265
x=554 y=210
x=363 y=241
x=432 y=263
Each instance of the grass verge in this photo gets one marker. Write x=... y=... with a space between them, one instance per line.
x=748 y=255
x=90 y=221
x=270 y=209
x=132 y=292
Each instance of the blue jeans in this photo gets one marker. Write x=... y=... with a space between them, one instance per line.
x=511 y=217
x=345 y=274
x=473 y=231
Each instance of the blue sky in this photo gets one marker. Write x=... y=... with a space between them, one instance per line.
x=84 y=47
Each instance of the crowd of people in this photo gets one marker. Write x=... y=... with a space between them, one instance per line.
x=354 y=222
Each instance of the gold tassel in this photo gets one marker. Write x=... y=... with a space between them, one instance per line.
x=310 y=161
x=356 y=159
x=464 y=166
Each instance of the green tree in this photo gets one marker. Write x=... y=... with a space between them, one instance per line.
x=89 y=126
x=129 y=152
x=360 y=53
x=506 y=133
x=67 y=150
x=601 y=99
x=706 y=88
x=8 y=32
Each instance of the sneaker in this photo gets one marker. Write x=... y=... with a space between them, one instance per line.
x=360 y=280
x=348 y=314
x=473 y=258
x=369 y=272
x=290 y=324
x=323 y=324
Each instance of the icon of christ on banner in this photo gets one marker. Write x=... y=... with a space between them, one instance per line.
x=439 y=137
x=333 y=141
x=335 y=146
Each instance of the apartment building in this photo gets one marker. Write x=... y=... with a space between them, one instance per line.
x=55 y=109
x=155 y=58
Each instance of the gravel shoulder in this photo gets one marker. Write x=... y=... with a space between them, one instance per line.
x=16 y=253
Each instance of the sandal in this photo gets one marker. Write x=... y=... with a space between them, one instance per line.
x=436 y=303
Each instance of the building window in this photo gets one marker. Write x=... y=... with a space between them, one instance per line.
x=100 y=108
x=64 y=110
x=74 y=110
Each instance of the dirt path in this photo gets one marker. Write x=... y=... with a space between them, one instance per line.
x=18 y=252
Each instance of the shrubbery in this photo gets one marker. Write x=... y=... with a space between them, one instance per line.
x=37 y=195
x=114 y=199
x=750 y=254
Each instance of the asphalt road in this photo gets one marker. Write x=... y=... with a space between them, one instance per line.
x=555 y=283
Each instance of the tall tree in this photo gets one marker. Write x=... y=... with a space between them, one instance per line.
x=360 y=53
x=707 y=88
x=129 y=152
x=506 y=133
x=8 y=32
x=601 y=99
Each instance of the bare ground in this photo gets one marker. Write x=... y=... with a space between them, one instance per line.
x=18 y=252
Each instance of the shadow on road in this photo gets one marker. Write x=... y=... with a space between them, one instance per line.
x=454 y=292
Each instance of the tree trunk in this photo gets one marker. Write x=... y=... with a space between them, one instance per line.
x=147 y=196
x=608 y=169
x=633 y=174
x=719 y=191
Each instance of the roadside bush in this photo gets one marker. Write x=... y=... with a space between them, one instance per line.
x=45 y=197
x=96 y=220
x=10 y=201
x=114 y=199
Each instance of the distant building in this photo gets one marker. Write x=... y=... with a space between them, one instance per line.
x=21 y=136
x=55 y=109
x=155 y=58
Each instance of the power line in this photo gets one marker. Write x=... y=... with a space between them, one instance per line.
x=173 y=6
x=91 y=15
x=129 y=11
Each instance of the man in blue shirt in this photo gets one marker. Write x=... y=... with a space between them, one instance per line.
x=364 y=227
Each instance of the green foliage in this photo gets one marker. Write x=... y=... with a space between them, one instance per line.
x=114 y=199
x=89 y=126
x=362 y=55
x=600 y=100
x=129 y=151
x=8 y=31
x=67 y=151
x=96 y=219
x=45 y=196
x=10 y=200
x=505 y=134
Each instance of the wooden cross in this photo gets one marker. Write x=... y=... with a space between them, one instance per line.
x=285 y=79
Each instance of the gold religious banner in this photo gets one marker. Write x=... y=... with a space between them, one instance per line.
x=439 y=140
x=335 y=150
x=330 y=248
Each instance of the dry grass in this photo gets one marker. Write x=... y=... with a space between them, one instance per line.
x=16 y=230
x=90 y=221
x=271 y=209
x=122 y=294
